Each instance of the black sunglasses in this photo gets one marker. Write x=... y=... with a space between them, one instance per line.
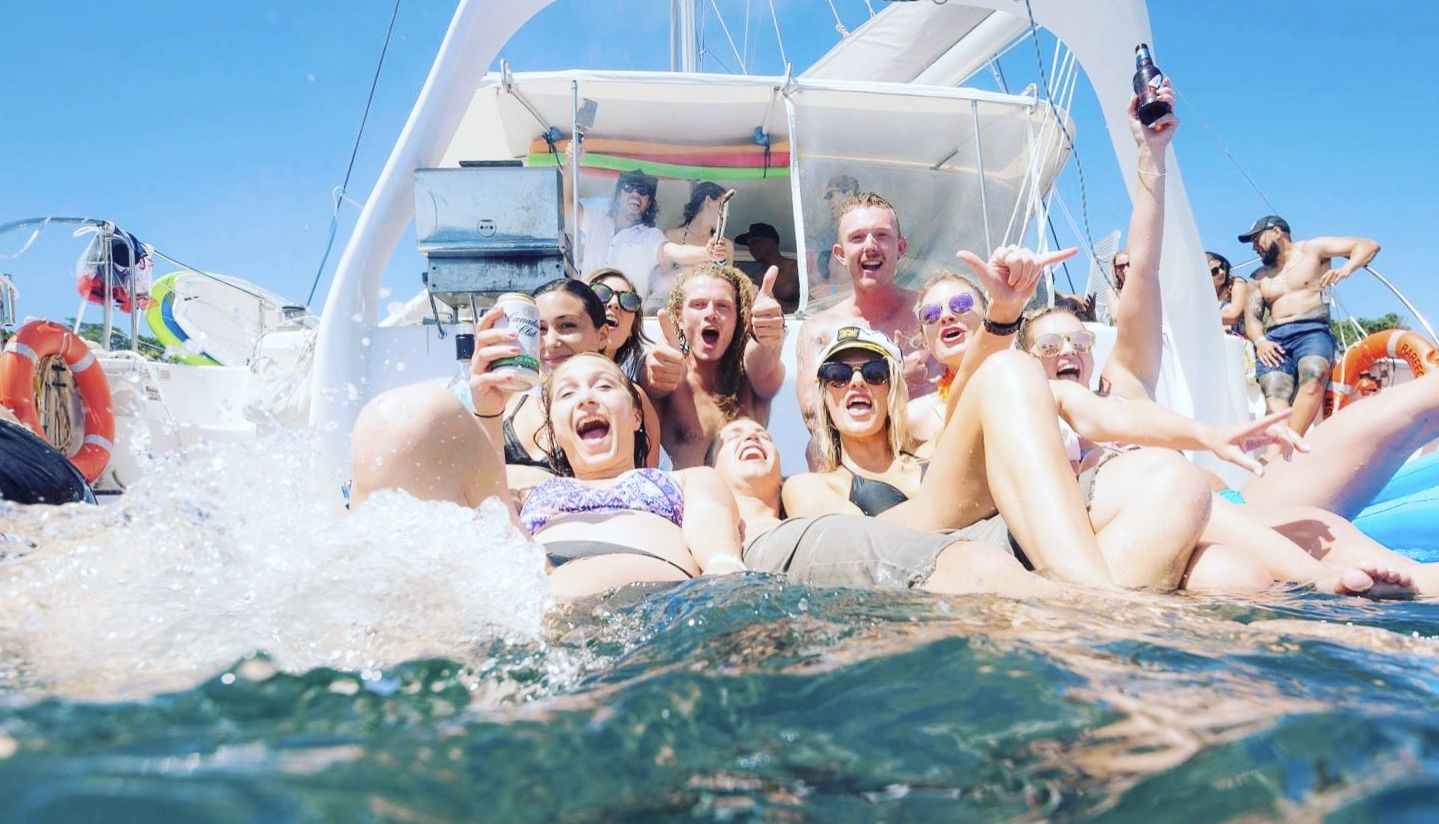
x=838 y=373
x=1216 y=270
x=637 y=186
x=629 y=301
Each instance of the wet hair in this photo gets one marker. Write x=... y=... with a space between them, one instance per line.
x=647 y=218
x=701 y=191
x=631 y=353
x=896 y=422
x=946 y=275
x=1022 y=340
x=732 y=376
x=864 y=200
x=555 y=456
x=594 y=307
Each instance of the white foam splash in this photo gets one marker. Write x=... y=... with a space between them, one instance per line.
x=238 y=548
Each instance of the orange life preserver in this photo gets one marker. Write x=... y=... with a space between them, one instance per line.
x=1410 y=347
x=19 y=363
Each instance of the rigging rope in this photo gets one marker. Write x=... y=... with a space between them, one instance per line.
x=725 y=28
x=1204 y=124
x=779 y=38
x=354 y=151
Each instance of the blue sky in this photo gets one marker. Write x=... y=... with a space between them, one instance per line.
x=217 y=131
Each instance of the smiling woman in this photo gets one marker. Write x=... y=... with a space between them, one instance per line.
x=573 y=321
x=602 y=518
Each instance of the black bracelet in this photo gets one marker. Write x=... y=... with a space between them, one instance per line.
x=996 y=328
x=498 y=414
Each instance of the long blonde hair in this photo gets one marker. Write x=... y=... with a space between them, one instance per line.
x=896 y=423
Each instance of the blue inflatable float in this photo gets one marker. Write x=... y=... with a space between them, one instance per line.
x=1404 y=516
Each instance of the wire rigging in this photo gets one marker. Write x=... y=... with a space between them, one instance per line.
x=354 y=151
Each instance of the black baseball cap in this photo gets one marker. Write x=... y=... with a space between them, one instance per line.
x=1266 y=222
x=758 y=230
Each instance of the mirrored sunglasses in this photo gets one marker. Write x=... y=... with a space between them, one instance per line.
x=838 y=373
x=930 y=313
x=629 y=301
x=1049 y=346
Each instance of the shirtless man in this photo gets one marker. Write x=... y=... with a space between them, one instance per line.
x=762 y=240
x=869 y=246
x=1297 y=351
x=719 y=359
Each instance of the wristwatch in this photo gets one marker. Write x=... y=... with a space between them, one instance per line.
x=996 y=328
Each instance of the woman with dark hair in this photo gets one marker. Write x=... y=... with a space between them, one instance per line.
x=572 y=322
x=1232 y=291
x=697 y=226
x=603 y=519
x=627 y=339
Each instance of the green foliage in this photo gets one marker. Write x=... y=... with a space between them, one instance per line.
x=1344 y=330
x=120 y=339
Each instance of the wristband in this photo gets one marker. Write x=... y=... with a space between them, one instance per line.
x=996 y=328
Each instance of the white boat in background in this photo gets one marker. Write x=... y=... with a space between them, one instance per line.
x=967 y=168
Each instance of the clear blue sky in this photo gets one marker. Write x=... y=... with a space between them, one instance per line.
x=216 y=131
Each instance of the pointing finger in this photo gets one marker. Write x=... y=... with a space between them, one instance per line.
x=1055 y=257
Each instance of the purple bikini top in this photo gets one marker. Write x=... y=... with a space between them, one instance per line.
x=640 y=490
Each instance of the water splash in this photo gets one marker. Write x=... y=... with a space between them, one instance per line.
x=237 y=548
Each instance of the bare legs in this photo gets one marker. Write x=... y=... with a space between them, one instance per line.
x=968 y=567
x=1356 y=452
x=421 y=440
x=1148 y=511
x=1002 y=450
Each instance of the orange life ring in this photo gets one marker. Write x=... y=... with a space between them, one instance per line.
x=1410 y=347
x=19 y=363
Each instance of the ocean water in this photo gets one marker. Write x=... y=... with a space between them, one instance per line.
x=223 y=645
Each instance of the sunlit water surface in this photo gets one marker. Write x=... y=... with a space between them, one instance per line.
x=222 y=644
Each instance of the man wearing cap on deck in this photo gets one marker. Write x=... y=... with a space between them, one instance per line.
x=839 y=189
x=762 y=240
x=623 y=235
x=1296 y=352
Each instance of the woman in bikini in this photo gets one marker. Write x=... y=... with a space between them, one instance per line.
x=603 y=519
x=627 y=342
x=573 y=321
x=698 y=223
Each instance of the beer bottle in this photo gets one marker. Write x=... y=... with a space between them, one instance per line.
x=1147 y=80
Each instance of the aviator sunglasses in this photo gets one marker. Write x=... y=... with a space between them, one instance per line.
x=838 y=373
x=930 y=313
x=1049 y=346
x=629 y=301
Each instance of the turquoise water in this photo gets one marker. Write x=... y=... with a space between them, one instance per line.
x=749 y=699
x=221 y=645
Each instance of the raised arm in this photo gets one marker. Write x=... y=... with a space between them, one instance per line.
x=762 y=363
x=1009 y=278
x=684 y=254
x=1138 y=312
x=711 y=523
x=1358 y=251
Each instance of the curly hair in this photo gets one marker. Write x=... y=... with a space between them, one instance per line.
x=559 y=462
x=732 y=376
x=637 y=176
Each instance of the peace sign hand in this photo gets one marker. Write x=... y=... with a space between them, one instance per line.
x=1233 y=443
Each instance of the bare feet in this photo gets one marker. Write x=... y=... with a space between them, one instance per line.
x=1370 y=581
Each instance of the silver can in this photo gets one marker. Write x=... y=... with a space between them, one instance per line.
x=523 y=316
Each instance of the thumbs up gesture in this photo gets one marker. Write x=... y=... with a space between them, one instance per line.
x=766 y=316
x=665 y=363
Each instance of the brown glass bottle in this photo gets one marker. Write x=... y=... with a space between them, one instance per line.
x=1147 y=80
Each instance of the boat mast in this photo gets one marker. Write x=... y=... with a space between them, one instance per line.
x=684 y=40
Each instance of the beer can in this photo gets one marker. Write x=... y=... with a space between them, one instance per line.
x=523 y=316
